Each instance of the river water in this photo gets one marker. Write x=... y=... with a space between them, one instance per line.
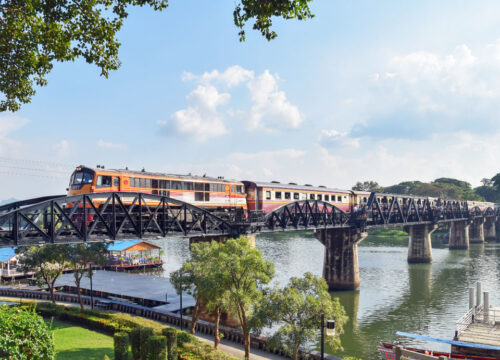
x=394 y=296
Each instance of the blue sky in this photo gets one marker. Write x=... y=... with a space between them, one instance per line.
x=386 y=91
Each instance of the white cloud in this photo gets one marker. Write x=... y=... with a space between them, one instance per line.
x=108 y=145
x=424 y=93
x=266 y=108
x=232 y=76
x=201 y=120
x=337 y=139
x=271 y=108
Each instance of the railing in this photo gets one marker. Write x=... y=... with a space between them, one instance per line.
x=401 y=354
x=463 y=323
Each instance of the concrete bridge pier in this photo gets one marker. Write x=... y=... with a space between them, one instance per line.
x=340 y=267
x=490 y=232
x=459 y=235
x=419 y=246
x=476 y=232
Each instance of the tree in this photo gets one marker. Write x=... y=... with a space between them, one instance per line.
x=371 y=186
x=486 y=182
x=80 y=255
x=47 y=262
x=35 y=34
x=24 y=335
x=297 y=308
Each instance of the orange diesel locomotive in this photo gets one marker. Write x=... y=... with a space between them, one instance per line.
x=210 y=193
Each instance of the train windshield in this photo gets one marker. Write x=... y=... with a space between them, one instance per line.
x=81 y=177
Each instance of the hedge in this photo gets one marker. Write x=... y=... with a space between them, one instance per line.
x=145 y=334
x=121 y=345
x=171 y=336
x=157 y=348
x=110 y=323
x=135 y=341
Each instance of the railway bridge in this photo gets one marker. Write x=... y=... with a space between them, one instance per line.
x=100 y=217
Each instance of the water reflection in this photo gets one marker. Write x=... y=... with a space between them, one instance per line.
x=394 y=296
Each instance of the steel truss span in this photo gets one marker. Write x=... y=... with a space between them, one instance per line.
x=107 y=216
x=127 y=215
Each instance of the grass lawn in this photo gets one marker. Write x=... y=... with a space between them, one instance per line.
x=76 y=343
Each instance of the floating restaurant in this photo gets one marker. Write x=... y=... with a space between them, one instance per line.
x=131 y=254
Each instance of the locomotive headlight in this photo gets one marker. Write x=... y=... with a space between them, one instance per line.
x=330 y=327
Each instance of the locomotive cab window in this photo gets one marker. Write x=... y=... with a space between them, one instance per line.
x=268 y=195
x=103 y=181
x=239 y=189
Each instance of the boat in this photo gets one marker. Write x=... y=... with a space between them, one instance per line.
x=386 y=349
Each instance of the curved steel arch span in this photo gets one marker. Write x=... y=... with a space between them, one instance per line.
x=105 y=217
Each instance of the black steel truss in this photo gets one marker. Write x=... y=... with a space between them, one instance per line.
x=107 y=216
x=306 y=214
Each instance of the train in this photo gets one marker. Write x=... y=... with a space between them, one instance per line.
x=219 y=195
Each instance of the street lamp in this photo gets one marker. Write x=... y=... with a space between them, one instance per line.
x=330 y=331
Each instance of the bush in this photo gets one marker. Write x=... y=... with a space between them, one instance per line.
x=171 y=336
x=135 y=340
x=157 y=348
x=121 y=344
x=24 y=335
x=145 y=333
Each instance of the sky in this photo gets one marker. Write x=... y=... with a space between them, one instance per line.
x=388 y=91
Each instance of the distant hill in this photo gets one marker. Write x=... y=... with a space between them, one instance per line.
x=2 y=202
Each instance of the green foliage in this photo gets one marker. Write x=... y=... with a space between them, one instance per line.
x=297 y=308
x=171 y=336
x=206 y=352
x=145 y=333
x=135 y=341
x=24 y=335
x=442 y=187
x=388 y=233
x=156 y=348
x=106 y=357
x=371 y=186
x=47 y=262
x=121 y=345
x=35 y=34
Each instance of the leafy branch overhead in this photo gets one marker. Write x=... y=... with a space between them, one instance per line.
x=34 y=34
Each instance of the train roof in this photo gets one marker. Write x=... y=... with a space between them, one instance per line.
x=148 y=173
x=294 y=186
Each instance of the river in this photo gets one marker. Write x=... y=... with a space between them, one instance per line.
x=394 y=296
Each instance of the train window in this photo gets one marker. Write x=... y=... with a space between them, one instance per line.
x=198 y=186
x=207 y=187
x=187 y=185
x=268 y=195
x=311 y=196
x=339 y=198
x=167 y=184
x=232 y=189
x=165 y=192
x=327 y=197
x=148 y=183
x=221 y=187
x=287 y=196
x=155 y=192
x=365 y=200
x=207 y=196
x=154 y=184
x=176 y=185
x=116 y=181
x=87 y=178
x=239 y=189
x=319 y=197
x=296 y=196
x=79 y=178
x=104 y=181
x=277 y=194
x=198 y=196
x=213 y=187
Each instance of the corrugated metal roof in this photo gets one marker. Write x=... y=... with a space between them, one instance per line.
x=6 y=254
x=125 y=244
x=298 y=187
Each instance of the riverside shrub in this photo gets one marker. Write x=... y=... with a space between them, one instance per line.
x=157 y=348
x=24 y=335
x=121 y=345
x=145 y=333
x=171 y=336
x=135 y=340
